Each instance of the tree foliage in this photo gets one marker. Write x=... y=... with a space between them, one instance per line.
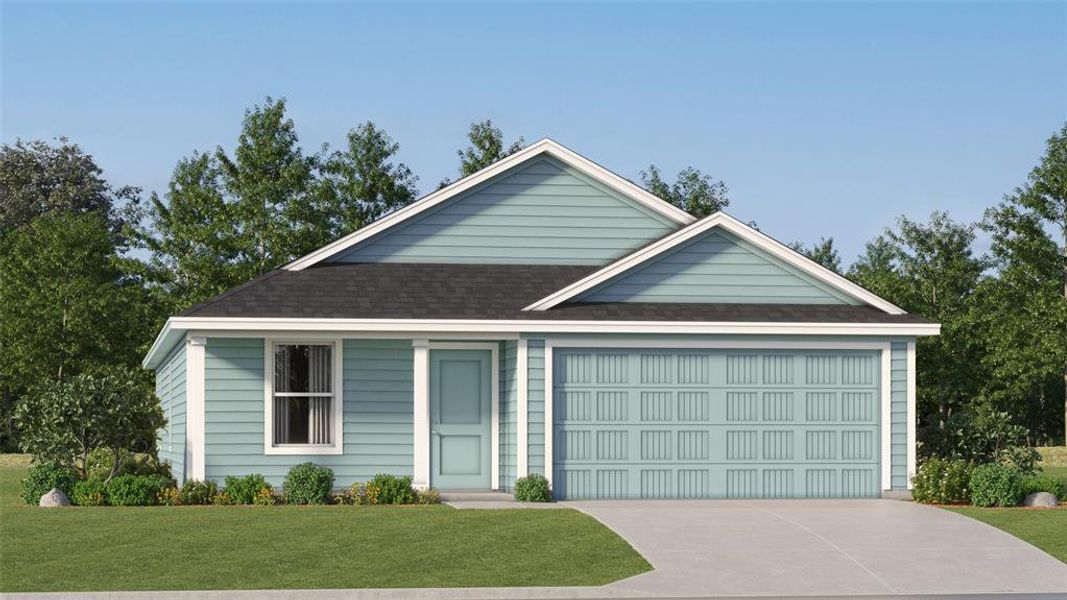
x=822 y=252
x=486 y=145
x=693 y=191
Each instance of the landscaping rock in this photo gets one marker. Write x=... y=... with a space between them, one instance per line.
x=1042 y=499
x=55 y=497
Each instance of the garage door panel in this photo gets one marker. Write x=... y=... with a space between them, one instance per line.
x=715 y=424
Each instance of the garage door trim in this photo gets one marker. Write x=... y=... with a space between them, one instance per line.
x=653 y=344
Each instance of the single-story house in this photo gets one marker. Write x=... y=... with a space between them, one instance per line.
x=545 y=315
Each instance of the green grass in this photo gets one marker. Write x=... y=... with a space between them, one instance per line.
x=286 y=547
x=1055 y=456
x=1044 y=528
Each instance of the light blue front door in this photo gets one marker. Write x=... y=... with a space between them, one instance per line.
x=460 y=396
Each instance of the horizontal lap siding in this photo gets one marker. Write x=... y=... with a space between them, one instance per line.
x=716 y=268
x=535 y=400
x=899 y=415
x=543 y=212
x=378 y=409
x=170 y=388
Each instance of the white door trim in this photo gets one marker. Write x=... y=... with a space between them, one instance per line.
x=421 y=417
x=494 y=401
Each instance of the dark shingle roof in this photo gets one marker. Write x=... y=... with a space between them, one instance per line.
x=451 y=291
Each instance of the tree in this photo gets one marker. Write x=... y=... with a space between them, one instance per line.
x=37 y=178
x=361 y=183
x=929 y=269
x=823 y=253
x=693 y=191
x=113 y=408
x=1024 y=308
x=486 y=147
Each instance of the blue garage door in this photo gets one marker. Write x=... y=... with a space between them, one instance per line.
x=715 y=423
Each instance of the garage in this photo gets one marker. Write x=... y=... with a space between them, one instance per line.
x=715 y=423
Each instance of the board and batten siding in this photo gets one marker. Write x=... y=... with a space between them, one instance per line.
x=170 y=388
x=535 y=400
x=898 y=432
x=716 y=267
x=509 y=426
x=541 y=212
x=378 y=412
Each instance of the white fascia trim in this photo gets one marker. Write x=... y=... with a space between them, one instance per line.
x=195 y=399
x=522 y=369
x=338 y=404
x=545 y=146
x=912 y=415
x=504 y=329
x=421 y=418
x=728 y=223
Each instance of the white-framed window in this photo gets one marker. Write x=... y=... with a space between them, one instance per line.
x=303 y=411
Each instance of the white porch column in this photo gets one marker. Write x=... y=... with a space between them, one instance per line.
x=421 y=422
x=522 y=367
x=194 y=406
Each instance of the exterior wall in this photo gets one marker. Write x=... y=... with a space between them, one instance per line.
x=899 y=415
x=509 y=417
x=378 y=417
x=170 y=387
x=717 y=268
x=536 y=406
x=542 y=212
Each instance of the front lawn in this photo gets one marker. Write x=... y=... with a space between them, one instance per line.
x=1045 y=528
x=209 y=547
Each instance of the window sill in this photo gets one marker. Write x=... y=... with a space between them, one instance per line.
x=295 y=450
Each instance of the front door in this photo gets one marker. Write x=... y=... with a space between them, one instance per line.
x=460 y=396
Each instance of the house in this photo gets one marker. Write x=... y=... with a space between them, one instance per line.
x=545 y=315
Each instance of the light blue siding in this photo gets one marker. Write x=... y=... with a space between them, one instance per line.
x=535 y=400
x=540 y=212
x=694 y=423
x=717 y=267
x=378 y=411
x=170 y=388
x=509 y=398
x=899 y=415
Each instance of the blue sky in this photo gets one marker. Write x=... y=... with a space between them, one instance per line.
x=823 y=119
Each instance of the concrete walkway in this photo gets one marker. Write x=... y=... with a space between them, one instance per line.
x=821 y=547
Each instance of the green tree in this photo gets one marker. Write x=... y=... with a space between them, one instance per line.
x=1023 y=308
x=929 y=269
x=113 y=408
x=693 y=191
x=37 y=178
x=822 y=252
x=361 y=183
x=486 y=147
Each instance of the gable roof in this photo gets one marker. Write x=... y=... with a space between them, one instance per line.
x=544 y=146
x=727 y=223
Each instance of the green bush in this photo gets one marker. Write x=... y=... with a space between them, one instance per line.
x=89 y=492
x=136 y=490
x=392 y=489
x=197 y=492
x=42 y=477
x=1039 y=482
x=942 y=482
x=308 y=483
x=994 y=484
x=533 y=488
x=169 y=496
x=428 y=497
x=980 y=434
x=101 y=460
x=242 y=490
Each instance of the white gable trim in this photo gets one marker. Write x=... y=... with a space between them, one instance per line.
x=732 y=225
x=544 y=146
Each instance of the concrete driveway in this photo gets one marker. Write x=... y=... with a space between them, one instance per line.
x=820 y=547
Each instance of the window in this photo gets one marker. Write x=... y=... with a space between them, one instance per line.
x=303 y=404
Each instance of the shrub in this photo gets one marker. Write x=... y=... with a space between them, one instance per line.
x=308 y=483
x=136 y=490
x=89 y=492
x=222 y=499
x=994 y=484
x=242 y=490
x=428 y=497
x=42 y=477
x=533 y=488
x=197 y=492
x=1039 y=482
x=363 y=494
x=265 y=497
x=392 y=489
x=169 y=496
x=981 y=434
x=943 y=482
